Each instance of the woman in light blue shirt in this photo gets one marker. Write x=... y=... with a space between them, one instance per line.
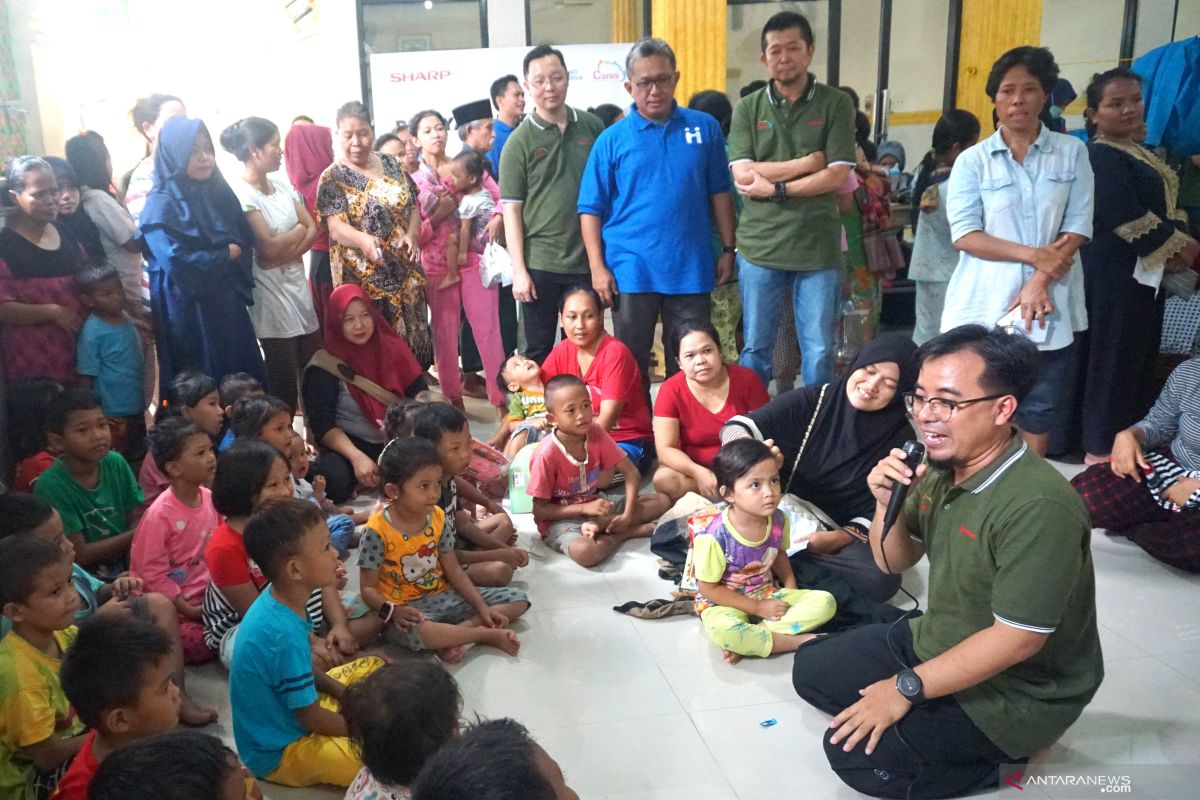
x=1019 y=205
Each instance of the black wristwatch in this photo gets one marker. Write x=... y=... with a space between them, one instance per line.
x=731 y=249
x=908 y=683
x=780 y=192
x=386 y=611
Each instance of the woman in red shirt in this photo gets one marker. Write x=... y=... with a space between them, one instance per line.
x=607 y=368
x=692 y=406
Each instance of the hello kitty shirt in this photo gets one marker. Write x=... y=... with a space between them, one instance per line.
x=407 y=562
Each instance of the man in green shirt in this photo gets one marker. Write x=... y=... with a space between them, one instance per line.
x=1007 y=654
x=791 y=146
x=541 y=167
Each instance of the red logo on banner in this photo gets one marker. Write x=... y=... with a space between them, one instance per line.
x=411 y=77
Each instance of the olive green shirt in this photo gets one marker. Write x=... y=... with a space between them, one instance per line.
x=1012 y=543
x=801 y=233
x=541 y=168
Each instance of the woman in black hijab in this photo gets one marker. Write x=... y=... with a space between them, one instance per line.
x=831 y=436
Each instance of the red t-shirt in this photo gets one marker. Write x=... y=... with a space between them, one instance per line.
x=555 y=475
x=699 y=428
x=228 y=562
x=614 y=375
x=29 y=470
x=78 y=777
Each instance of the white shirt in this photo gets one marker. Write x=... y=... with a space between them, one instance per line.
x=116 y=228
x=283 y=306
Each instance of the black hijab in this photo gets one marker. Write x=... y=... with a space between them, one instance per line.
x=845 y=443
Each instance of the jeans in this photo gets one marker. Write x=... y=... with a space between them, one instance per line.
x=634 y=321
x=815 y=300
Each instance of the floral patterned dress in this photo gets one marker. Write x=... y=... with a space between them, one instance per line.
x=381 y=208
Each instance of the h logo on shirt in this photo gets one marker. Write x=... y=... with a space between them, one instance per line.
x=692 y=135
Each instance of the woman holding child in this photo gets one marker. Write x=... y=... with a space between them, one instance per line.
x=692 y=406
x=346 y=418
x=830 y=437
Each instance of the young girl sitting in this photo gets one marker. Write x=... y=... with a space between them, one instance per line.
x=263 y=417
x=410 y=574
x=168 y=547
x=398 y=716
x=194 y=396
x=747 y=599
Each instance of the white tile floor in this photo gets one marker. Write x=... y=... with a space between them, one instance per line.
x=643 y=710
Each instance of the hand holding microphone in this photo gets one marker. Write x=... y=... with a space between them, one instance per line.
x=892 y=476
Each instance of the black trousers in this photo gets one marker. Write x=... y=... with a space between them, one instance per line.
x=541 y=316
x=285 y=360
x=634 y=321
x=934 y=751
x=338 y=472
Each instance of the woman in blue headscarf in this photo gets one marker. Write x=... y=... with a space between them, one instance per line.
x=197 y=245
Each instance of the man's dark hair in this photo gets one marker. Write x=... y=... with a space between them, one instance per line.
x=180 y=765
x=1010 y=361
x=1039 y=61
x=275 y=529
x=22 y=560
x=541 y=51
x=500 y=87
x=784 y=21
x=242 y=471
x=66 y=404
x=22 y=513
x=168 y=439
x=495 y=760
x=107 y=664
x=433 y=419
x=400 y=715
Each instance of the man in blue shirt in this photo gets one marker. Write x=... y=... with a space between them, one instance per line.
x=509 y=99
x=652 y=186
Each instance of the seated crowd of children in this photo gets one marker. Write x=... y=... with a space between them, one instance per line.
x=221 y=549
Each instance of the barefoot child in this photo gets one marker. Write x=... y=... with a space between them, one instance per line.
x=168 y=548
x=748 y=600
x=566 y=473
x=527 y=421
x=409 y=570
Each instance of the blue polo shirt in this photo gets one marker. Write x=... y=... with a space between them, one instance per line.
x=650 y=185
x=503 y=131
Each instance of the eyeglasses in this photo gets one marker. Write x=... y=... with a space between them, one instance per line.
x=941 y=408
x=662 y=82
x=556 y=79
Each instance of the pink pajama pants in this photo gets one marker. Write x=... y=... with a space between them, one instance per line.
x=482 y=307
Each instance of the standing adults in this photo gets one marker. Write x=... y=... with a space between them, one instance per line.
x=308 y=151
x=509 y=100
x=149 y=115
x=1020 y=206
x=791 y=146
x=369 y=205
x=476 y=128
x=198 y=244
x=542 y=168
x=40 y=309
x=283 y=315
x=1140 y=233
x=1007 y=653
x=652 y=183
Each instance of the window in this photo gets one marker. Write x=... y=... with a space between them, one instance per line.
x=577 y=21
x=746 y=20
x=401 y=26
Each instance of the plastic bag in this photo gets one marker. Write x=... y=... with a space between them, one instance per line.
x=495 y=267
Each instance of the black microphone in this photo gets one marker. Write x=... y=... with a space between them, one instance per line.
x=914 y=454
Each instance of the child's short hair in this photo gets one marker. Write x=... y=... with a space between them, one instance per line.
x=180 y=765
x=473 y=162
x=435 y=419
x=28 y=404
x=400 y=715
x=167 y=439
x=252 y=413
x=22 y=513
x=66 y=404
x=560 y=383
x=495 y=760
x=397 y=422
x=403 y=458
x=94 y=275
x=242 y=471
x=502 y=381
x=107 y=664
x=737 y=458
x=237 y=385
x=275 y=529
x=22 y=561
x=187 y=389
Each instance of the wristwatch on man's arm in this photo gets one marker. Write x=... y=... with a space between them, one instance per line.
x=908 y=683
x=780 y=192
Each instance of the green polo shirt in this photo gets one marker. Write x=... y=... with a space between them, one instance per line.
x=802 y=233
x=1012 y=543
x=541 y=168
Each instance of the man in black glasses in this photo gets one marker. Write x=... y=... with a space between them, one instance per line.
x=1007 y=653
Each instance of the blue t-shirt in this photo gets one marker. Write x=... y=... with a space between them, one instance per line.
x=271 y=676
x=112 y=356
x=650 y=185
x=503 y=131
x=226 y=440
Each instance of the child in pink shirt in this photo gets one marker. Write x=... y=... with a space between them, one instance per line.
x=194 y=396
x=168 y=547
